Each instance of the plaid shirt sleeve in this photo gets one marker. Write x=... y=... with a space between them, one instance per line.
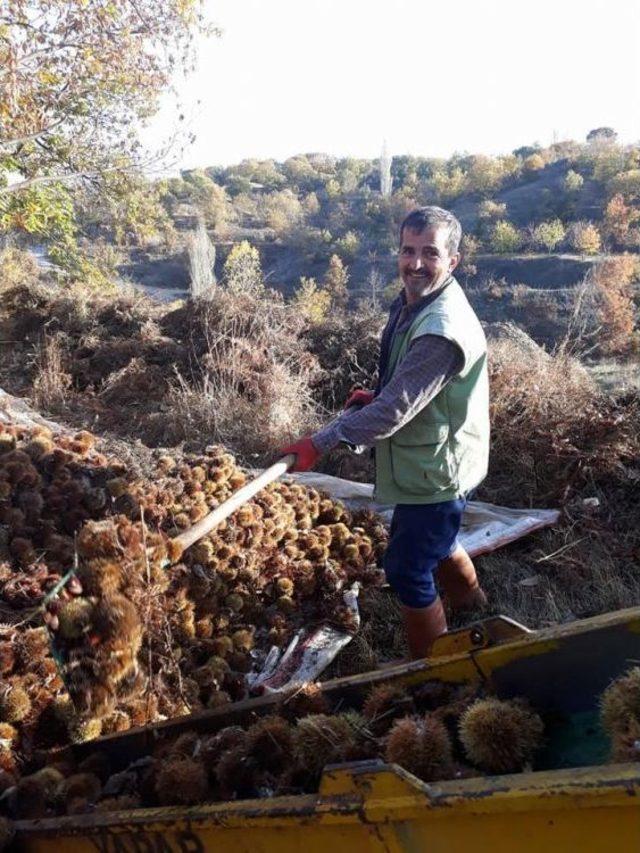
x=429 y=364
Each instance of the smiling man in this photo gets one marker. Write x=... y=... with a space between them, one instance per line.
x=428 y=420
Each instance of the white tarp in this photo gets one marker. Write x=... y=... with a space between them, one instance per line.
x=485 y=527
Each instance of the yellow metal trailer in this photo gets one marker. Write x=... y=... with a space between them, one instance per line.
x=572 y=800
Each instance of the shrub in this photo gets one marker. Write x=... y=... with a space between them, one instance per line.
x=573 y=181
x=549 y=234
x=242 y=272
x=312 y=301
x=557 y=431
x=584 y=237
x=613 y=279
x=505 y=238
x=17 y=268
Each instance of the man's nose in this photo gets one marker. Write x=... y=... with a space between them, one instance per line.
x=416 y=262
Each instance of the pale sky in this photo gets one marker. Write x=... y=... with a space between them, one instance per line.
x=433 y=78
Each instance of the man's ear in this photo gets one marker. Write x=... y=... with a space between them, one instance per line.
x=454 y=260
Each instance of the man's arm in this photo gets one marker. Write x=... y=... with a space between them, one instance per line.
x=430 y=363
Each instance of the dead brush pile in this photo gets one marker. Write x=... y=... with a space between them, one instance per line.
x=554 y=434
x=557 y=440
x=142 y=641
x=346 y=347
x=232 y=369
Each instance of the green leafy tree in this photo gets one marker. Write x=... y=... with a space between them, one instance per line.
x=549 y=234
x=505 y=238
x=242 y=272
x=602 y=134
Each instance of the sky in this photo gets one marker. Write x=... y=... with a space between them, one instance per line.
x=430 y=77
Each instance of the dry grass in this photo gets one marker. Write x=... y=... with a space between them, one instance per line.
x=52 y=382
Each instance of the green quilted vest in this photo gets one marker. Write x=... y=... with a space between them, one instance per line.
x=443 y=452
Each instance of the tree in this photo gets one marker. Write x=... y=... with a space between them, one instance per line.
x=627 y=183
x=282 y=210
x=613 y=280
x=573 y=181
x=242 y=272
x=77 y=78
x=484 y=174
x=348 y=245
x=618 y=217
x=584 y=237
x=491 y=210
x=549 y=234
x=201 y=254
x=130 y=208
x=312 y=302
x=386 y=181
x=602 y=134
x=335 y=283
x=533 y=163
x=211 y=199
x=505 y=238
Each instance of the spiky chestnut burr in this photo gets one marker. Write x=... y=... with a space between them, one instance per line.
x=625 y=743
x=15 y=703
x=620 y=702
x=500 y=736
x=7 y=657
x=85 y=786
x=304 y=702
x=319 y=740
x=181 y=781
x=384 y=704
x=74 y=618
x=421 y=745
x=269 y=745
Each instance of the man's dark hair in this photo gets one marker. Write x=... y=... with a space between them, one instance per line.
x=429 y=217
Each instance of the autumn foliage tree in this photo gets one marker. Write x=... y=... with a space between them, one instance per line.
x=613 y=281
x=335 y=283
x=618 y=217
x=77 y=80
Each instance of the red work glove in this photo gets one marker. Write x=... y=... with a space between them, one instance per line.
x=359 y=398
x=305 y=452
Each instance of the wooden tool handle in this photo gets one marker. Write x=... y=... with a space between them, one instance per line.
x=206 y=524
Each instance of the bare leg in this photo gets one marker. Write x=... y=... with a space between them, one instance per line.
x=459 y=582
x=423 y=625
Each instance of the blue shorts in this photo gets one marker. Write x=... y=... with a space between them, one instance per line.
x=421 y=536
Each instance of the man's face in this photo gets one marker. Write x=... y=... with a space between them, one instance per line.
x=424 y=261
